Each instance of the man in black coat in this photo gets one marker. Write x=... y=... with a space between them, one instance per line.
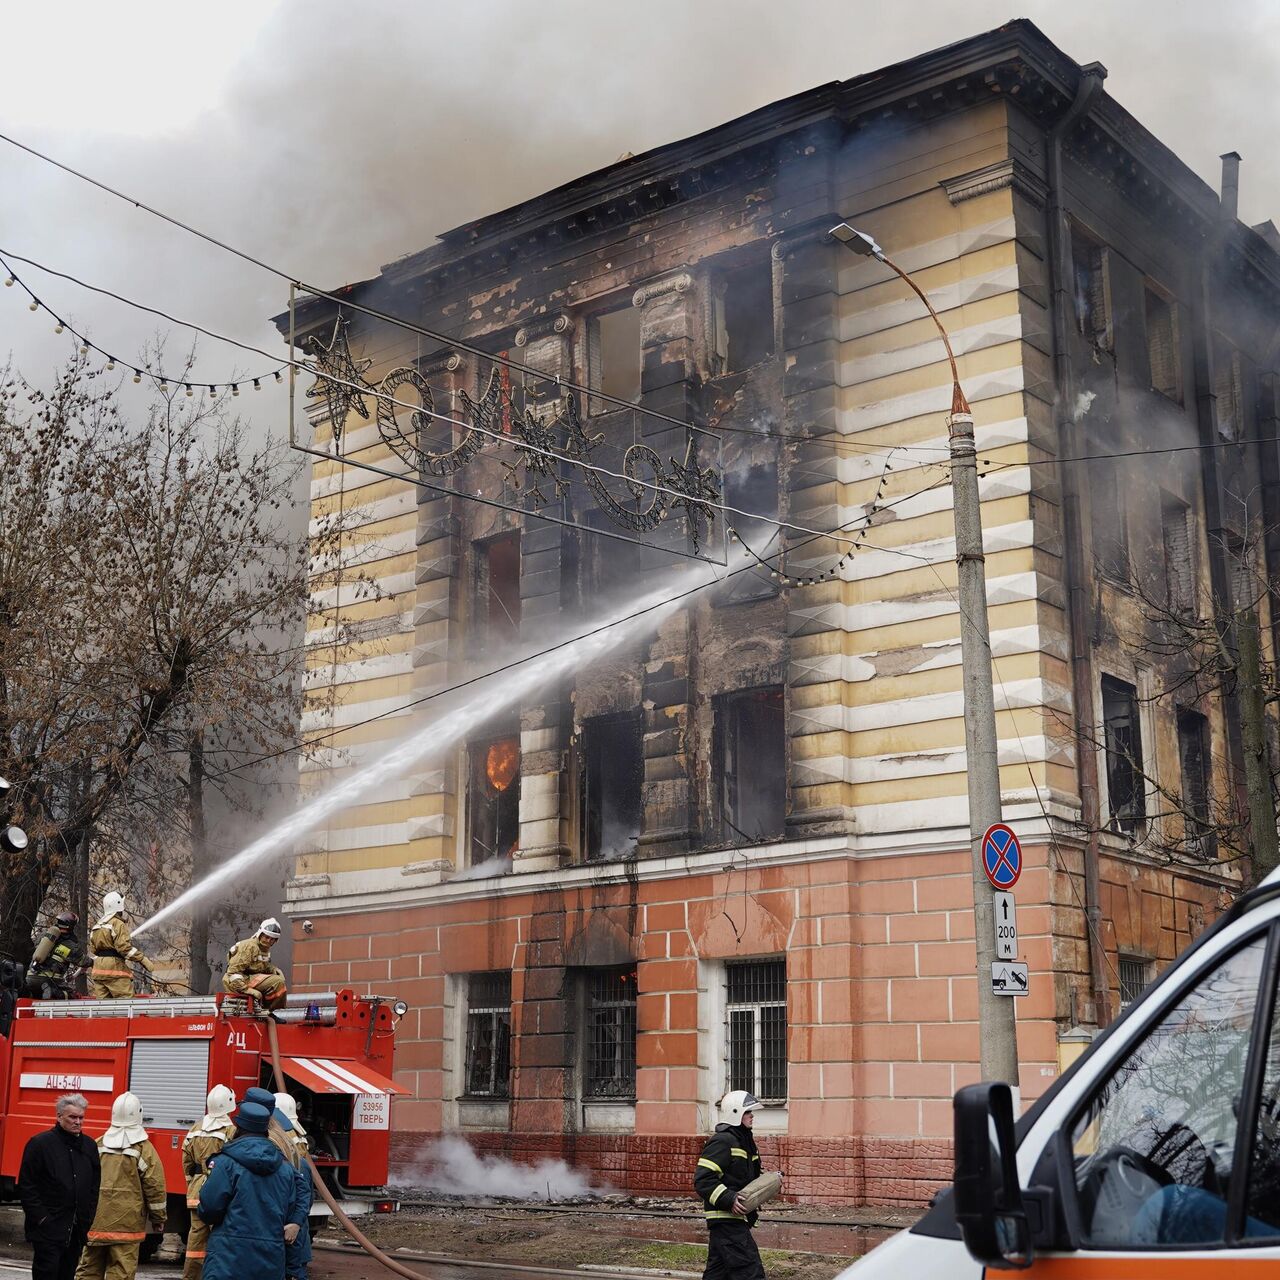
x=58 y=1184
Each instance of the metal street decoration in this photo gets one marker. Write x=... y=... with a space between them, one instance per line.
x=542 y=442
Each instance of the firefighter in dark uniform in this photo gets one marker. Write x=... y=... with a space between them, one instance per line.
x=728 y=1162
x=57 y=955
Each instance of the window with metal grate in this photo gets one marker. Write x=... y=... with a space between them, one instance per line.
x=1126 y=781
x=756 y=1028
x=610 y=1068
x=488 y=1061
x=1193 y=757
x=1135 y=974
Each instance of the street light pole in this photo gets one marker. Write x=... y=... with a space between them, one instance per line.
x=997 y=1028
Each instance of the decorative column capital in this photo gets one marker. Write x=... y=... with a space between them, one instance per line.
x=542 y=326
x=675 y=282
x=439 y=362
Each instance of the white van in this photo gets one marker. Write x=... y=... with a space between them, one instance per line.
x=1156 y=1155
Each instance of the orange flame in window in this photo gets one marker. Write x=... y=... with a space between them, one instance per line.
x=502 y=763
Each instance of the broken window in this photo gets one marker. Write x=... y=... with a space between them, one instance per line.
x=613 y=773
x=493 y=798
x=1110 y=520
x=1245 y=588
x=488 y=1062
x=496 y=615
x=610 y=1068
x=1193 y=758
x=744 y=317
x=756 y=1030
x=1135 y=974
x=754 y=489
x=1092 y=290
x=750 y=758
x=1177 y=530
x=1228 y=389
x=614 y=356
x=1162 y=344
x=1122 y=732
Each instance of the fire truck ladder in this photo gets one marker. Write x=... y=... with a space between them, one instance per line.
x=146 y=1007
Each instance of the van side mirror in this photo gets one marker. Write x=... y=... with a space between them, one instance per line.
x=988 y=1199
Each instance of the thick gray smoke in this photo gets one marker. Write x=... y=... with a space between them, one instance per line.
x=451 y=1167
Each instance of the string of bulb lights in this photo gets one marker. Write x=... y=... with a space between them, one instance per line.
x=162 y=381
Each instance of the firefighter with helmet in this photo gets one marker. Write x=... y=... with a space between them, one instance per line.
x=249 y=967
x=131 y=1196
x=728 y=1162
x=204 y=1140
x=113 y=952
x=57 y=956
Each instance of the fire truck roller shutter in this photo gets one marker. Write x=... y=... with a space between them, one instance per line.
x=171 y=1077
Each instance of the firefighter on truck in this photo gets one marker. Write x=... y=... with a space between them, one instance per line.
x=113 y=952
x=249 y=968
x=57 y=957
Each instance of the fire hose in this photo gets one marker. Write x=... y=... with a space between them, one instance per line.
x=326 y=1195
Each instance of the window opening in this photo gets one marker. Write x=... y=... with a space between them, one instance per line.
x=488 y=1054
x=1126 y=785
x=1193 y=759
x=750 y=752
x=1179 y=566
x=1135 y=974
x=756 y=1028
x=1162 y=344
x=1155 y=1147
x=1229 y=394
x=744 y=317
x=611 y=1034
x=493 y=798
x=1092 y=290
x=755 y=489
x=1110 y=520
x=613 y=777
x=614 y=356
x=497 y=602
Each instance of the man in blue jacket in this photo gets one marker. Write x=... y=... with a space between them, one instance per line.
x=249 y=1199
x=280 y=1131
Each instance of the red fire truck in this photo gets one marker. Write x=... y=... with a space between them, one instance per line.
x=335 y=1048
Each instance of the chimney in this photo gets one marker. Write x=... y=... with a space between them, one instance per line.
x=1230 y=196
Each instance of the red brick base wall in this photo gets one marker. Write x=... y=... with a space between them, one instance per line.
x=816 y=1170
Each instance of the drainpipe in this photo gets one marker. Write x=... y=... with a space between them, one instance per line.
x=1075 y=515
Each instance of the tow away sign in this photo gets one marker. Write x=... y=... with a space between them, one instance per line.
x=1009 y=978
x=1006 y=925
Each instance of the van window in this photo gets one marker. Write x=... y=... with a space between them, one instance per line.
x=1155 y=1147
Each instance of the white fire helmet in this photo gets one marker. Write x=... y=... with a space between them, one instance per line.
x=126 y=1123
x=287 y=1105
x=270 y=927
x=735 y=1104
x=112 y=906
x=221 y=1102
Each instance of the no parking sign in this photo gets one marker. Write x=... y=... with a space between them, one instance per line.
x=1001 y=856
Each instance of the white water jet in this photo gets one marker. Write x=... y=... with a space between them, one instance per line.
x=462 y=712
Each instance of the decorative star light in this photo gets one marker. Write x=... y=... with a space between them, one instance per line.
x=699 y=489
x=334 y=362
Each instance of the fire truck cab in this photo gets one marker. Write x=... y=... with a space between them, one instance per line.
x=336 y=1051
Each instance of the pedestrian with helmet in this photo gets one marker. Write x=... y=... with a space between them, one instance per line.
x=250 y=971
x=131 y=1196
x=57 y=957
x=249 y=1200
x=728 y=1163
x=204 y=1140
x=113 y=952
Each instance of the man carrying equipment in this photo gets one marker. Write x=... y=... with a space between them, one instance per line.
x=204 y=1140
x=113 y=952
x=57 y=955
x=730 y=1161
x=131 y=1195
x=249 y=967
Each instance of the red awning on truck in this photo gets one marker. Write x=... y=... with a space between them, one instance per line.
x=338 y=1075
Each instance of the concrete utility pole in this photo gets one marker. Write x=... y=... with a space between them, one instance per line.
x=997 y=1027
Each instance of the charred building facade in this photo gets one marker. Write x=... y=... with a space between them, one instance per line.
x=733 y=851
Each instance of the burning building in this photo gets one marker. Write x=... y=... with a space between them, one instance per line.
x=733 y=850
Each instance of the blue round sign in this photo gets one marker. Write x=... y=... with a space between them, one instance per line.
x=1002 y=856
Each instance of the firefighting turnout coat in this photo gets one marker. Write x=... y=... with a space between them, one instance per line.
x=727 y=1163
x=199 y=1147
x=248 y=960
x=113 y=950
x=130 y=1195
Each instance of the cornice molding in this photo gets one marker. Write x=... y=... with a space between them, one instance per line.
x=996 y=177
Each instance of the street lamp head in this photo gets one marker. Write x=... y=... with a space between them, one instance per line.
x=858 y=241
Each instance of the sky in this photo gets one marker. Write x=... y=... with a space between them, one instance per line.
x=330 y=138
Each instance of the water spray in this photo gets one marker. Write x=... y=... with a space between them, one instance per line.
x=460 y=715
